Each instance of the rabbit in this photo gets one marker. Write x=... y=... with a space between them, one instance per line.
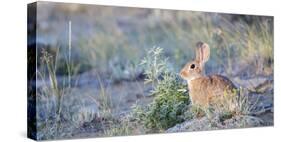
x=206 y=91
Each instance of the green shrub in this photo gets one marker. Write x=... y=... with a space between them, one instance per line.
x=170 y=103
x=168 y=107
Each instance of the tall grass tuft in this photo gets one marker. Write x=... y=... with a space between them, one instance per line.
x=52 y=128
x=52 y=90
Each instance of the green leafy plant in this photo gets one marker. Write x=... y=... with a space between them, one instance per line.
x=170 y=103
x=154 y=64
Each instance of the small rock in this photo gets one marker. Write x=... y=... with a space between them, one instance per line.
x=192 y=125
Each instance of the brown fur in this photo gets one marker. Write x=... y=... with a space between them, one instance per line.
x=206 y=90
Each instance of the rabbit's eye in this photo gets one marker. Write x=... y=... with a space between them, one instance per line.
x=192 y=66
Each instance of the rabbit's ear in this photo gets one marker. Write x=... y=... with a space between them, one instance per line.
x=202 y=52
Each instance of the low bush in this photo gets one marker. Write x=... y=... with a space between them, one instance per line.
x=171 y=101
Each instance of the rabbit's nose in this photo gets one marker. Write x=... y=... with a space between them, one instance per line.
x=181 y=73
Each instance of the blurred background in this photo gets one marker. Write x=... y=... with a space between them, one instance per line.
x=112 y=40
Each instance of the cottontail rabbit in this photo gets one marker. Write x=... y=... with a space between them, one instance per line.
x=207 y=90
